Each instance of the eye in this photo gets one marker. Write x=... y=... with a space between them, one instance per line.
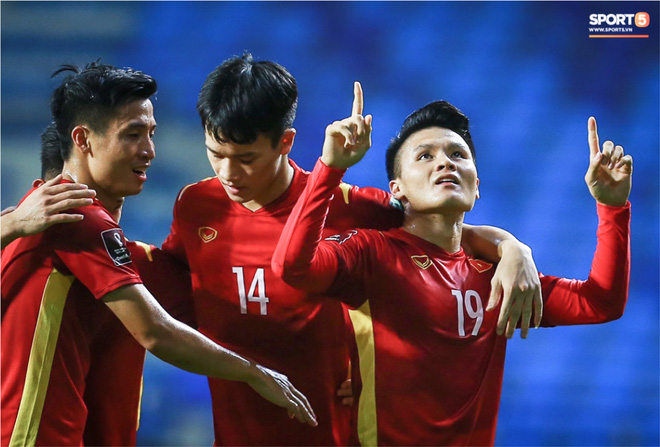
x=247 y=161
x=458 y=154
x=424 y=156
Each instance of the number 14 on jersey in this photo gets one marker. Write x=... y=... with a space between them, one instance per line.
x=258 y=284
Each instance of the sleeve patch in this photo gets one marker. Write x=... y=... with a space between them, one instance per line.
x=115 y=245
x=341 y=238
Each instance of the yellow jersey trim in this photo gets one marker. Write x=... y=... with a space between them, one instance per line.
x=345 y=189
x=40 y=362
x=364 y=336
x=146 y=248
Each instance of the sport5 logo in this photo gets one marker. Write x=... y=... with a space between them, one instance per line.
x=641 y=19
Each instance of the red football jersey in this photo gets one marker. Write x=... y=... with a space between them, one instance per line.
x=51 y=314
x=430 y=362
x=240 y=304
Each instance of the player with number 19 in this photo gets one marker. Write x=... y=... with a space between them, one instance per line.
x=430 y=361
x=225 y=230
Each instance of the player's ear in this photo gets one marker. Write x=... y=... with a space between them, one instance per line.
x=395 y=189
x=286 y=143
x=79 y=135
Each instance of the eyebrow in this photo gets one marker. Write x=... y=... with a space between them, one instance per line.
x=137 y=124
x=425 y=146
x=245 y=155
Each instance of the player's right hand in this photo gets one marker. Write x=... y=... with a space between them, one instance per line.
x=46 y=206
x=276 y=388
x=609 y=177
x=347 y=141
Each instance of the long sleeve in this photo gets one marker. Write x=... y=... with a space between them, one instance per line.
x=300 y=259
x=603 y=296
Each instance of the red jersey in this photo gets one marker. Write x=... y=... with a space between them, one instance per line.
x=51 y=315
x=240 y=304
x=430 y=361
x=113 y=386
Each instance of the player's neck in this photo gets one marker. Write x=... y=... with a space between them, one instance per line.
x=440 y=229
x=77 y=173
x=276 y=189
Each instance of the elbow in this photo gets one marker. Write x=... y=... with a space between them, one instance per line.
x=152 y=337
x=615 y=313
x=284 y=270
x=616 y=308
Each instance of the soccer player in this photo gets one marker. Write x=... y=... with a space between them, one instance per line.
x=114 y=421
x=61 y=286
x=225 y=229
x=430 y=360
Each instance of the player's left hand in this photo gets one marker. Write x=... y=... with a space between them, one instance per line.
x=347 y=141
x=609 y=176
x=516 y=281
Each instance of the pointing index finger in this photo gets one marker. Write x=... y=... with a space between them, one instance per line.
x=358 y=99
x=594 y=145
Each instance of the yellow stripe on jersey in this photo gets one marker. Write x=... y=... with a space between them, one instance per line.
x=41 y=359
x=364 y=336
x=345 y=189
x=146 y=248
x=192 y=184
x=139 y=410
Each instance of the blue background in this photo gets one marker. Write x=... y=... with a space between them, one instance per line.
x=526 y=73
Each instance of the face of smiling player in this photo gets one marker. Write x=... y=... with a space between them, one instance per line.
x=253 y=174
x=437 y=173
x=115 y=161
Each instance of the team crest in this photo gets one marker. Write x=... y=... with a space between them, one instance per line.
x=422 y=261
x=479 y=265
x=207 y=234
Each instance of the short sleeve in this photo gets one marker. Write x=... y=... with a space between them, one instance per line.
x=94 y=250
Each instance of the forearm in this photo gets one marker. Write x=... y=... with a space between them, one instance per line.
x=298 y=258
x=609 y=277
x=173 y=341
x=9 y=229
x=485 y=242
x=185 y=348
x=603 y=296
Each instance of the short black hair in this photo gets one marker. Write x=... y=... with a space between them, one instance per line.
x=51 y=153
x=92 y=94
x=435 y=114
x=242 y=98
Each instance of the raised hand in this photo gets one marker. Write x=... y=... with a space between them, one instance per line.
x=347 y=141
x=609 y=176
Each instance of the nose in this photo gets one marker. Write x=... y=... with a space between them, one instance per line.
x=149 y=150
x=444 y=162
x=229 y=169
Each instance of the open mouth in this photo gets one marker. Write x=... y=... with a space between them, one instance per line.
x=140 y=172
x=448 y=180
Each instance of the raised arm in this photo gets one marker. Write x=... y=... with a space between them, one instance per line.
x=602 y=297
x=178 y=344
x=299 y=258
x=46 y=206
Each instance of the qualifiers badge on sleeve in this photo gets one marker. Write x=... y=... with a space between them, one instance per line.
x=115 y=245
